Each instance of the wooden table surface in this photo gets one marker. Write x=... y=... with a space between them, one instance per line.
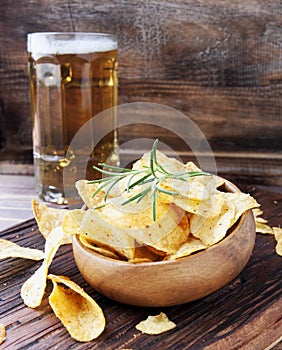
x=246 y=314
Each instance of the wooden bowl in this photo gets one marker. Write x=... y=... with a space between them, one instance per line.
x=172 y=282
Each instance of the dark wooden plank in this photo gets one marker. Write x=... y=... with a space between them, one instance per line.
x=246 y=314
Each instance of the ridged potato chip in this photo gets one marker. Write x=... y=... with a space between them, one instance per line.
x=191 y=246
x=72 y=221
x=213 y=229
x=49 y=218
x=166 y=234
x=32 y=290
x=12 y=250
x=154 y=325
x=78 y=312
x=87 y=242
x=102 y=232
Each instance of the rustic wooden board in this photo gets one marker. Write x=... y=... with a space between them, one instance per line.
x=246 y=314
x=217 y=61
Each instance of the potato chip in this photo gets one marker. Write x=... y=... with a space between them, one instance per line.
x=12 y=250
x=170 y=164
x=72 y=221
x=191 y=246
x=103 y=233
x=263 y=228
x=211 y=230
x=154 y=325
x=278 y=247
x=101 y=250
x=165 y=234
x=277 y=231
x=2 y=333
x=257 y=212
x=32 y=290
x=49 y=218
x=148 y=253
x=191 y=192
x=261 y=223
x=139 y=260
x=86 y=190
x=210 y=207
x=78 y=312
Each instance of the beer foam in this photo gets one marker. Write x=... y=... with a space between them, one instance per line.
x=69 y=43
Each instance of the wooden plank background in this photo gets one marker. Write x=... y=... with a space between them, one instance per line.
x=219 y=62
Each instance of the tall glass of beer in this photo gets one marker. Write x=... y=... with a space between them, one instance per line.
x=73 y=77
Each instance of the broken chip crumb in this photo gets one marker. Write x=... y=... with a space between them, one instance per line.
x=2 y=333
x=154 y=325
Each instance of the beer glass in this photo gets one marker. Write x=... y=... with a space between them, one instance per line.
x=73 y=77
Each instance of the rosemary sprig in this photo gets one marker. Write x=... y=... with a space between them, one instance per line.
x=153 y=175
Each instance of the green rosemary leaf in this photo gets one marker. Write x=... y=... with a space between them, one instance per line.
x=138 y=195
x=154 y=202
x=153 y=174
x=110 y=187
x=137 y=182
x=143 y=195
x=111 y=173
x=100 y=206
x=99 y=189
x=104 y=165
x=172 y=193
x=103 y=179
x=153 y=157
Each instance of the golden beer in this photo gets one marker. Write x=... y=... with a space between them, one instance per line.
x=73 y=77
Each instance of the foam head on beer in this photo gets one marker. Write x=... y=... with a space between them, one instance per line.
x=69 y=43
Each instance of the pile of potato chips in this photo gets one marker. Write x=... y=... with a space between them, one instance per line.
x=199 y=216
x=196 y=217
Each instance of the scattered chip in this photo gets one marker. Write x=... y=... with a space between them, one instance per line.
x=154 y=325
x=277 y=231
x=263 y=228
x=278 y=236
x=12 y=250
x=49 y=218
x=79 y=313
x=278 y=248
x=32 y=290
x=2 y=333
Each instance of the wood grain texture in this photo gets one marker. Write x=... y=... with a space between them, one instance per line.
x=218 y=62
x=246 y=314
x=16 y=193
